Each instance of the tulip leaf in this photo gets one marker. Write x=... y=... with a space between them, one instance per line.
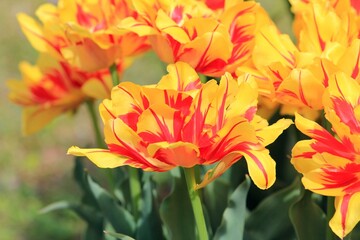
x=93 y=232
x=55 y=206
x=150 y=226
x=216 y=205
x=121 y=220
x=80 y=176
x=308 y=219
x=232 y=225
x=270 y=219
x=176 y=211
x=87 y=213
x=119 y=236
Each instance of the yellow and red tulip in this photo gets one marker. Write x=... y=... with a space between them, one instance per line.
x=52 y=87
x=323 y=26
x=295 y=78
x=211 y=41
x=182 y=122
x=83 y=33
x=331 y=164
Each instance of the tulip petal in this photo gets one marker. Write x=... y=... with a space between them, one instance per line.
x=269 y=134
x=181 y=77
x=175 y=154
x=219 y=169
x=97 y=88
x=100 y=157
x=271 y=47
x=166 y=25
x=347 y=214
x=37 y=117
x=325 y=142
x=36 y=35
x=261 y=167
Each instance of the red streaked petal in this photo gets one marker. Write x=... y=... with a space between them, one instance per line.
x=100 y=157
x=175 y=154
x=325 y=142
x=219 y=169
x=273 y=47
x=160 y=123
x=346 y=215
x=181 y=77
x=345 y=95
x=261 y=167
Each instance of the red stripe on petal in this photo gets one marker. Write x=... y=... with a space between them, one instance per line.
x=110 y=113
x=166 y=134
x=260 y=166
x=291 y=60
x=203 y=58
x=343 y=209
x=221 y=109
x=355 y=71
x=55 y=47
x=129 y=151
x=321 y=41
x=301 y=92
x=326 y=76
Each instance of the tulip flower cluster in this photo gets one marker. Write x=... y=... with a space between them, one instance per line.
x=187 y=120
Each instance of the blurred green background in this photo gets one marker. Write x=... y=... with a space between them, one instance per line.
x=34 y=170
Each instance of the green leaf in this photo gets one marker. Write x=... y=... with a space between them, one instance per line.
x=308 y=219
x=176 y=211
x=233 y=222
x=80 y=177
x=270 y=220
x=150 y=225
x=55 y=206
x=86 y=212
x=119 y=236
x=214 y=204
x=93 y=232
x=121 y=220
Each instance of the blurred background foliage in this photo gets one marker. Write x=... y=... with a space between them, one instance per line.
x=34 y=170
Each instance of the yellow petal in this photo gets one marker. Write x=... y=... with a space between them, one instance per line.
x=270 y=133
x=166 y=25
x=181 y=154
x=37 y=117
x=346 y=215
x=100 y=157
x=261 y=167
x=273 y=47
x=181 y=77
x=88 y=56
x=96 y=88
x=219 y=169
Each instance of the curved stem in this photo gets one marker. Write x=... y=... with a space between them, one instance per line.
x=135 y=191
x=196 y=203
x=114 y=75
x=94 y=120
x=330 y=210
x=134 y=181
x=99 y=139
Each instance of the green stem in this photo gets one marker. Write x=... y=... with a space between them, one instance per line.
x=135 y=190
x=99 y=139
x=134 y=181
x=94 y=120
x=196 y=203
x=330 y=210
x=114 y=74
